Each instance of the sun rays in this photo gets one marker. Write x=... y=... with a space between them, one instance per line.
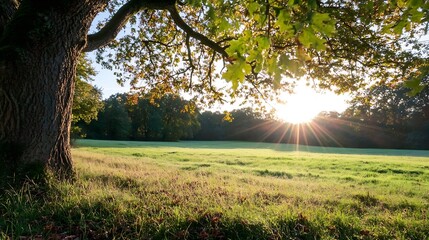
x=321 y=131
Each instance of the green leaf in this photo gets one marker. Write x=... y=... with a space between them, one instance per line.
x=255 y=55
x=283 y=60
x=258 y=67
x=309 y=39
x=195 y=3
x=402 y=3
x=211 y=13
x=323 y=23
x=416 y=16
x=292 y=66
x=283 y=22
x=224 y=25
x=236 y=47
x=414 y=85
x=286 y=25
x=413 y=92
x=253 y=7
x=292 y=3
x=295 y=67
x=283 y=16
x=289 y=31
x=397 y=29
x=236 y=73
x=387 y=29
x=263 y=42
x=312 y=4
x=271 y=65
x=415 y=3
x=274 y=71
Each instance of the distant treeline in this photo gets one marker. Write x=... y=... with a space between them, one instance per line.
x=327 y=129
x=171 y=118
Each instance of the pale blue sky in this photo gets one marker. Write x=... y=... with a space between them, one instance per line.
x=106 y=80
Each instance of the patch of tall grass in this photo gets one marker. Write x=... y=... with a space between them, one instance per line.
x=192 y=190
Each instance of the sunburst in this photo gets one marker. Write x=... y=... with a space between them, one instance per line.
x=305 y=104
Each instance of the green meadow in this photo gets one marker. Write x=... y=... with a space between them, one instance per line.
x=226 y=190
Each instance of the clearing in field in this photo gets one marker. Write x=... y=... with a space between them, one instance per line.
x=230 y=190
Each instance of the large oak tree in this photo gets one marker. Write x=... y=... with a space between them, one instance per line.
x=169 y=46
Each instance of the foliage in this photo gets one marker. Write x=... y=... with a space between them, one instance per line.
x=113 y=121
x=246 y=125
x=210 y=190
x=389 y=106
x=87 y=100
x=212 y=126
x=263 y=44
x=128 y=116
x=394 y=108
x=418 y=137
x=169 y=118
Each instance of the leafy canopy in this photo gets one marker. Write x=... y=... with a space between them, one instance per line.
x=263 y=44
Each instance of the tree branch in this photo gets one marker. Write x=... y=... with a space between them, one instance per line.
x=114 y=25
x=118 y=21
x=191 y=63
x=189 y=31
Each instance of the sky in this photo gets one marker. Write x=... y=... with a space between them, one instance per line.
x=106 y=80
x=301 y=106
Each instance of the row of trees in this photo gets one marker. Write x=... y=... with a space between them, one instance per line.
x=379 y=117
x=127 y=117
x=328 y=129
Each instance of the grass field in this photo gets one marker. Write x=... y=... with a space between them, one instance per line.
x=227 y=190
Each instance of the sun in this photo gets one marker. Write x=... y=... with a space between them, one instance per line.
x=298 y=109
x=305 y=104
x=295 y=114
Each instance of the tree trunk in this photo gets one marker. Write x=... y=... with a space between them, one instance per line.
x=39 y=50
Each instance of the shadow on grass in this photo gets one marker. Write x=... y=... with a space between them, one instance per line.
x=58 y=217
x=276 y=174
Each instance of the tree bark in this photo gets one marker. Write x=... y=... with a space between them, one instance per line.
x=7 y=10
x=39 y=50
